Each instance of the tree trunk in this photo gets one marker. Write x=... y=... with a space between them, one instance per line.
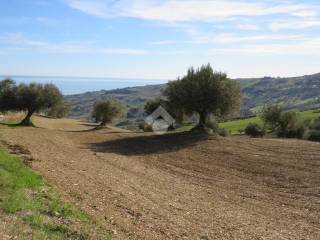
x=202 y=120
x=27 y=120
x=103 y=124
x=201 y=127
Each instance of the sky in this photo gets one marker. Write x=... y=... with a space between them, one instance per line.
x=159 y=39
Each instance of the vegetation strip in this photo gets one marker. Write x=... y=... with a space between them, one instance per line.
x=34 y=211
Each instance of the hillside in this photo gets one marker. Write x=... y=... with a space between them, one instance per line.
x=176 y=186
x=298 y=93
x=133 y=97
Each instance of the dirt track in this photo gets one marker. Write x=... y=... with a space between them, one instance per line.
x=181 y=187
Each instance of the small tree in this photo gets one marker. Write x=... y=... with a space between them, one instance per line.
x=314 y=134
x=254 y=130
x=37 y=97
x=271 y=116
x=290 y=126
x=8 y=95
x=58 y=111
x=153 y=104
x=106 y=111
x=204 y=92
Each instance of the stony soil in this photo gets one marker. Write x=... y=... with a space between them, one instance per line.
x=178 y=186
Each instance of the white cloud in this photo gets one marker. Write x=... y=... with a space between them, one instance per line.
x=185 y=10
x=294 y=24
x=20 y=42
x=307 y=46
x=163 y=42
x=307 y=13
x=248 y=26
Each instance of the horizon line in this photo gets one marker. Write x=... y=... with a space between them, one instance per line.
x=138 y=79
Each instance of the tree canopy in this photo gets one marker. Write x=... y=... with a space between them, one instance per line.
x=33 y=97
x=106 y=111
x=271 y=116
x=204 y=91
x=8 y=95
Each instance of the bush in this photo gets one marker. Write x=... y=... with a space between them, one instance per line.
x=213 y=128
x=314 y=135
x=106 y=111
x=213 y=125
x=254 y=130
x=314 y=130
x=271 y=116
x=223 y=132
x=284 y=124
x=145 y=127
x=290 y=126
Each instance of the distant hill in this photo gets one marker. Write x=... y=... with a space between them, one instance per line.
x=298 y=93
x=133 y=97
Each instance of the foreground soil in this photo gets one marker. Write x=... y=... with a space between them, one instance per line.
x=178 y=186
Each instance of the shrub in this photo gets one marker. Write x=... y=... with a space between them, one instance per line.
x=314 y=130
x=213 y=125
x=145 y=127
x=271 y=116
x=254 y=130
x=106 y=111
x=290 y=126
x=223 y=132
x=314 y=135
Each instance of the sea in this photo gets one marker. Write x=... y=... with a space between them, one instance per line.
x=76 y=85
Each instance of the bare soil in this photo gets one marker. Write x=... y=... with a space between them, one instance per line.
x=179 y=186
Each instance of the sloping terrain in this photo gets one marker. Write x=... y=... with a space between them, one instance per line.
x=133 y=98
x=181 y=186
x=299 y=93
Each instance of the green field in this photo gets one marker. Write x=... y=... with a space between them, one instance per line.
x=33 y=211
x=236 y=125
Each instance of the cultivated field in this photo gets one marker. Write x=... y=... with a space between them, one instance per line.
x=178 y=186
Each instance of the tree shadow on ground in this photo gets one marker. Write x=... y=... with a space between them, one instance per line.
x=17 y=125
x=96 y=128
x=144 y=145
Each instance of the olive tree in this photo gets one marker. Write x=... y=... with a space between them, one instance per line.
x=153 y=104
x=271 y=116
x=205 y=92
x=36 y=97
x=30 y=98
x=58 y=111
x=106 y=111
x=8 y=95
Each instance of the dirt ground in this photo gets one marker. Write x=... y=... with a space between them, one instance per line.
x=178 y=186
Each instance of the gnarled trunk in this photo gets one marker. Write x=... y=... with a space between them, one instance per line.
x=202 y=120
x=201 y=127
x=27 y=120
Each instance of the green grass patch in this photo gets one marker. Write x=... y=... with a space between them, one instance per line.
x=37 y=208
x=236 y=126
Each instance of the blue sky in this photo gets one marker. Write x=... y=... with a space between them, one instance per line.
x=159 y=39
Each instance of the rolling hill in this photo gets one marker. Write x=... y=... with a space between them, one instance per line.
x=298 y=93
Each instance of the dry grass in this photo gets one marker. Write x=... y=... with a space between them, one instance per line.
x=12 y=117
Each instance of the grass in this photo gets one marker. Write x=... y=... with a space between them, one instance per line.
x=237 y=125
x=39 y=212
